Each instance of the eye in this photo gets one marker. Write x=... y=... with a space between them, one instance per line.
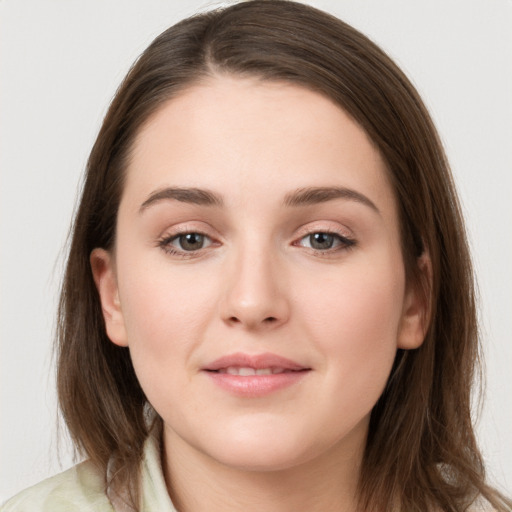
x=185 y=242
x=325 y=241
x=190 y=241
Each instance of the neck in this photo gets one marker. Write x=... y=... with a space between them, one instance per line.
x=198 y=483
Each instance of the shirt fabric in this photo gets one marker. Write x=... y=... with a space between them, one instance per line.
x=82 y=488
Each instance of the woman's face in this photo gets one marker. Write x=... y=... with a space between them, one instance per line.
x=257 y=276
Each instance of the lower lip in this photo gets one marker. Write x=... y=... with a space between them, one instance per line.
x=251 y=386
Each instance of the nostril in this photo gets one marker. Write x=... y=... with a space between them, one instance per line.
x=250 y=321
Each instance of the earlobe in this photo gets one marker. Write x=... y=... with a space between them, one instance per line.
x=103 y=271
x=417 y=307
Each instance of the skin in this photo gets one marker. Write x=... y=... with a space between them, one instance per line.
x=259 y=285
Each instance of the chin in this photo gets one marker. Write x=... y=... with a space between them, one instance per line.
x=271 y=458
x=266 y=449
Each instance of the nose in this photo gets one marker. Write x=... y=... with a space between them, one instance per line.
x=255 y=297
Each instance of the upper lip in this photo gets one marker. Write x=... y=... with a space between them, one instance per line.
x=258 y=361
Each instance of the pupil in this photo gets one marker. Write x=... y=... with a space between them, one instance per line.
x=321 y=240
x=191 y=241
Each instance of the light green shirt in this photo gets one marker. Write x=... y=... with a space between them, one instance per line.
x=82 y=488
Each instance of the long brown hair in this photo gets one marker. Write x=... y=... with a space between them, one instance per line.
x=421 y=452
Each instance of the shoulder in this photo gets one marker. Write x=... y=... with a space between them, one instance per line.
x=80 y=488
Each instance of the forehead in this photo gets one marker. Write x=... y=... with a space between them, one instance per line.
x=241 y=134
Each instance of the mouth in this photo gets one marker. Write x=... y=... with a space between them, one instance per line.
x=254 y=364
x=247 y=375
x=247 y=371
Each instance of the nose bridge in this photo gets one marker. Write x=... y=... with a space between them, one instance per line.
x=254 y=296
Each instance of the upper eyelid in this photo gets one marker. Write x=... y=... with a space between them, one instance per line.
x=168 y=238
x=325 y=227
x=188 y=227
x=344 y=239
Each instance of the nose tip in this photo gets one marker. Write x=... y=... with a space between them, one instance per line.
x=254 y=298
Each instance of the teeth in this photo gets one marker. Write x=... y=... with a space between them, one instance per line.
x=243 y=371
x=246 y=371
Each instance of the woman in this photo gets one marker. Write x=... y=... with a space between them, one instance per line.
x=268 y=300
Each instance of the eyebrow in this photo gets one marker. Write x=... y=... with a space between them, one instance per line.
x=185 y=195
x=315 y=195
x=300 y=197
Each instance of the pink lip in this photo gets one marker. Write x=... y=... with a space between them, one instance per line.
x=257 y=362
x=255 y=385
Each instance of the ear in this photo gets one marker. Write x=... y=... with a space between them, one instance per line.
x=417 y=307
x=103 y=271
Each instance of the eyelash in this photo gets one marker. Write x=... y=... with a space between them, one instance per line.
x=165 y=244
x=344 y=243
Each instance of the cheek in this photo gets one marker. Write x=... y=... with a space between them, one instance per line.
x=156 y=297
x=354 y=322
x=165 y=313
x=355 y=317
